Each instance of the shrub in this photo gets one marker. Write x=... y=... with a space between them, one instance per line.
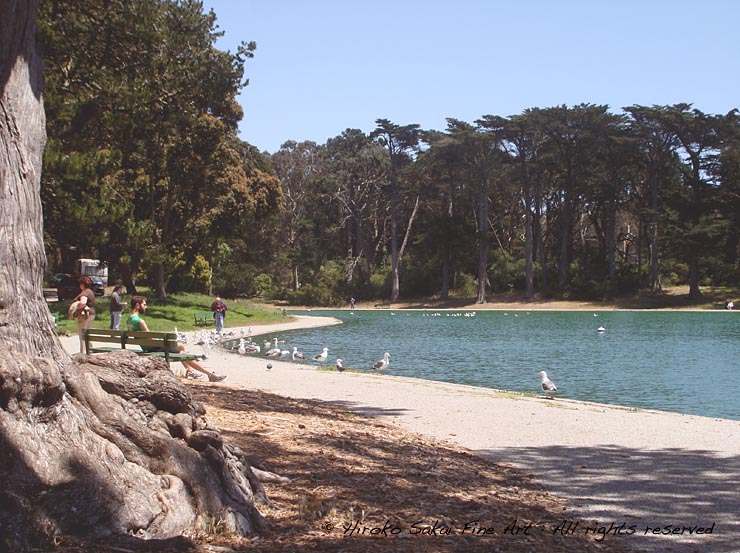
x=263 y=285
x=235 y=279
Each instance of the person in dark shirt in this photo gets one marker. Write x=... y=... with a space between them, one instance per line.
x=116 y=307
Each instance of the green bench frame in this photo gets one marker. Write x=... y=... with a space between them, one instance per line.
x=203 y=317
x=124 y=338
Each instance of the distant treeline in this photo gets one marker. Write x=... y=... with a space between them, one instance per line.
x=143 y=169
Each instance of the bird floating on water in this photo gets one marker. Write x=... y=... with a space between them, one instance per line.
x=383 y=363
x=321 y=357
x=601 y=329
x=339 y=365
x=297 y=354
x=273 y=352
x=548 y=386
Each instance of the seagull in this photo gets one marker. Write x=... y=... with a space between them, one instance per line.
x=601 y=329
x=321 y=357
x=274 y=352
x=297 y=354
x=339 y=365
x=548 y=386
x=242 y=347
x=383 y=363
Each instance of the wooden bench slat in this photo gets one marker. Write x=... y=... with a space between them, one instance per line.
x=167 y=341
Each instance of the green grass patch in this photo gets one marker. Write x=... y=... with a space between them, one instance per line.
x=178 y=311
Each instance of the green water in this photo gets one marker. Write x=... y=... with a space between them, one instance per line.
x=685 y=362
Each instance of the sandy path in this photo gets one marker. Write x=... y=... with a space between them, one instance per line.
x=629 y=470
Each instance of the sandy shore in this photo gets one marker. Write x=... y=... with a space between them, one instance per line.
x=656 y=479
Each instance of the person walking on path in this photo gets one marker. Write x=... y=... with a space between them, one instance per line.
x=116 y=307
x=135 y=322
x=219 y=313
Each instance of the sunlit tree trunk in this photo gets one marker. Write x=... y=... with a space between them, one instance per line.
x=25 y=323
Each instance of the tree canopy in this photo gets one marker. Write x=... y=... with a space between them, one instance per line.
x=144 y=169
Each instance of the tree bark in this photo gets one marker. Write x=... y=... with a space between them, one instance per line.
x=25 y=323
x=114 y=445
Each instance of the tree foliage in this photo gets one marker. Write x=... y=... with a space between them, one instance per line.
x=143 y=165
x=144 y=169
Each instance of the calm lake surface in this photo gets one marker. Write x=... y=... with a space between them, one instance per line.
x=685 y=362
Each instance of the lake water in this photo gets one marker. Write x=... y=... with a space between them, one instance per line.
x=685 y=362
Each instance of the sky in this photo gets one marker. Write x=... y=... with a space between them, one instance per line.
x=324 y=66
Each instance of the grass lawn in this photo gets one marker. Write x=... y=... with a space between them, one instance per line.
x=178 y=311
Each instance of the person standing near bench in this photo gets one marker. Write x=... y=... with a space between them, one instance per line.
x=116 y=307
x=134 y=322
x=219 y=314
x=86 y=310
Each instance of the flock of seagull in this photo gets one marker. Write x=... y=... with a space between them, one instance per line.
x=277 y=350
x=207 y=339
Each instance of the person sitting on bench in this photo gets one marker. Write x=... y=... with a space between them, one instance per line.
x=134 y=322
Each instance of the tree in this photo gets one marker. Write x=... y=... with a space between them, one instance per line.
x=87 y=448
x=697 y=140
x=400 y=142
x=657 y=146
x=478 y=147
x=443 y=229
x=143 y=131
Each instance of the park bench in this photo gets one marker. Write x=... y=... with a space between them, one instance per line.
x=123 y=338
x=203 y=317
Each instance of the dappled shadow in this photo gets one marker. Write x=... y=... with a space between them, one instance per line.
x=369 y=410
x=347 y=469
x=647 y=489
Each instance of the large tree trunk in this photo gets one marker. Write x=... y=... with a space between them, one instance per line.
x=115 y=445
x=25 y=323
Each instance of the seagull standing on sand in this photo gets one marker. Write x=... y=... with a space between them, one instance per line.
x=383 y=363
x=339 y=365
x=321 y=357
x=548 y=386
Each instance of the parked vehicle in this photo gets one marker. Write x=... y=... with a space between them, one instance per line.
x=69 y=286
x=92 y=267
x=56 y=279
x=98 y=285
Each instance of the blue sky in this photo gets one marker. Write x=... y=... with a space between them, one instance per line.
x=323 y=66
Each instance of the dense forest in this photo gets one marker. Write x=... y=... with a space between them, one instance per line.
x=144 y=169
